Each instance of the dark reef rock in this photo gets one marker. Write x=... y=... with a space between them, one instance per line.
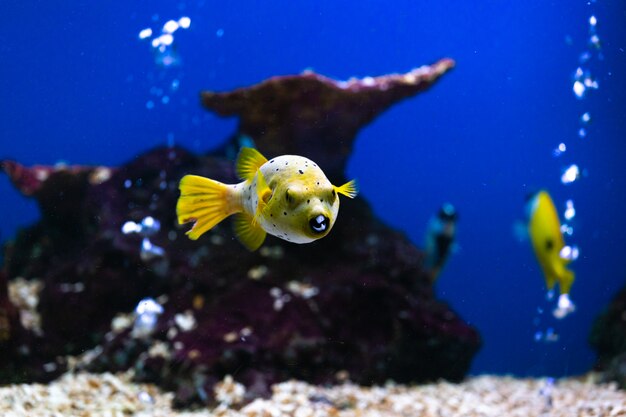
x=356 y=303
x=608 y=338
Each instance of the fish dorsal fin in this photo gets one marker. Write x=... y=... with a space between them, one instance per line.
x=249 y=232
x=349 y=189
x=248 y=163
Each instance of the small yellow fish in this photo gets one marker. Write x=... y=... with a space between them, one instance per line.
x=288 y=197
x=544 y=229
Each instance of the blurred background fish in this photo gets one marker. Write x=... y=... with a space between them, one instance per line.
x=544 y=229
x=440 y=237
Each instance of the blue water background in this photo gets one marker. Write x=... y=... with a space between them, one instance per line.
x=75 y=80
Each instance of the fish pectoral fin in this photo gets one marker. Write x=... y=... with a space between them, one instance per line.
x=202 y=201
x=349 y=189
x=248 y=163
x=264 y=194
x=248 y=231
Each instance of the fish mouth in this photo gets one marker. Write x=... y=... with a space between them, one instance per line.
x=319 y=224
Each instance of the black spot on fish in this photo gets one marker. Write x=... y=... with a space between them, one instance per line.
x=277 y=170
x=308 y=201
x=318 y=183
x=271 y=215
x=334 y=193
x=286 y=163
x=272 y=161
x=300 y=171
x=549 y=244
x=285 y=213
x=321 y=200
x=274 y=225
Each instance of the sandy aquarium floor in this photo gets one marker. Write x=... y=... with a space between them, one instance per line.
x=110 y=395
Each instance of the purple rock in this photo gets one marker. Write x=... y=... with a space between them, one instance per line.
x=355 y=304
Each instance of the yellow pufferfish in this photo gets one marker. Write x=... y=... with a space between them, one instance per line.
x=288 y=197
x=544 y=229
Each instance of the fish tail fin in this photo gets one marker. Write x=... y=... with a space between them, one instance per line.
x=550 y=282
x=204 y=202
x=349 y=189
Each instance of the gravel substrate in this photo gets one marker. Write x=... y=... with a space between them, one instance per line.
x=110 y=395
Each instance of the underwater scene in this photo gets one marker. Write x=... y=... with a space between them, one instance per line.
x=312 y=209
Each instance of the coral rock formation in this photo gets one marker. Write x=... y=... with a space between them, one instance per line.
x=356 y=304
x=312 y=115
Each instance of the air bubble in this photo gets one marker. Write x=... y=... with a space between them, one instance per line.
x=582 y=132
x=579 y=89
x=571 y=174
x=585 y=118
x=150 y=226
x=559 y=150
x=219 y=33
x=170 y=26
x=570 y=211
x=145 y=33
x=130 y=227
x=184 y=22
x=569 y=253
x=584 y=57
x=150 y=105
x=165 y=39
x=594 y=42
x=150 y=251
x=564 y=307
x=590 y=82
